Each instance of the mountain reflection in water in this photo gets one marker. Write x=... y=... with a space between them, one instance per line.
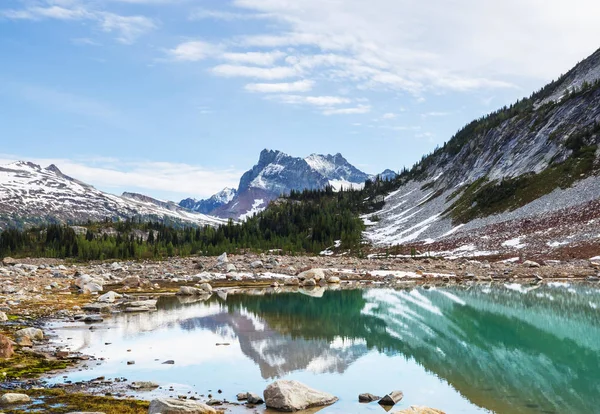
x=508 y=349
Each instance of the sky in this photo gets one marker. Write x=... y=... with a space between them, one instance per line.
x=176 y=98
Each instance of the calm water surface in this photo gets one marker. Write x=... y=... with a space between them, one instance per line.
x=502 y=349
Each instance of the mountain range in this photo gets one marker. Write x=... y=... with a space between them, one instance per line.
x=277 y=173
x=31 y=194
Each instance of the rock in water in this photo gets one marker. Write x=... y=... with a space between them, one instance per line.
x=6 y=348
x=285 y=395
x=367 y=397
x=419 y=410
x=254 y=398
x=14 y=398
x=316 y=274
x=392 y=398
x=175 y=406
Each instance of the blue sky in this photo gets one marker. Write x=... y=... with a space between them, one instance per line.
x=176 y=98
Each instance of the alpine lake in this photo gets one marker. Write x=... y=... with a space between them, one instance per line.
x=483 y=348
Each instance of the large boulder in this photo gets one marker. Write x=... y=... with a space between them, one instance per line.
x=9 y=261
x=419 y=410
x=176 y=406
x=221 y=260
x=14 y=398
x=206 y=287
x=6 y=348
x=316 y=274
x=88 y=284
x=286 y=395
x=33 y=334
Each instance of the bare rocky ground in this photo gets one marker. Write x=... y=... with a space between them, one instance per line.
x=34 y=291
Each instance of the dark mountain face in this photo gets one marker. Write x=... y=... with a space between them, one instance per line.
x=277 y=173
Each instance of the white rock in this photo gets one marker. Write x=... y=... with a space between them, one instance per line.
x=34 y=334
x=109 y=297
x=176 y=406
x=222 y=259
x=206 y=287
x=316 y=274
x=3 y=317
x=285 y=395
x=333 y=279
x=530 y=263
x=14 y=398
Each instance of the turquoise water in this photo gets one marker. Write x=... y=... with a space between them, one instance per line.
x=502 y=349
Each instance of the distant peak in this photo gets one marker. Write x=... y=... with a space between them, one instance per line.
x=53 y=168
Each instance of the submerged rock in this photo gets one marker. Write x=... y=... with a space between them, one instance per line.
x=286 y=395
x=419 y=410
x=143 y=385
x=176 y=406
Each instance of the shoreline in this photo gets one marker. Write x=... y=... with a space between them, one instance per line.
x=50 y=306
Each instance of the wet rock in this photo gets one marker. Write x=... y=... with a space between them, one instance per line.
x=109 y=297
x=97 y=307
x=33 y=334
x=242 y=396
x=285 y=395
x=92 y=318
x=190 y=291
x=130 y=362
x=254 y=399
x=419 y=410
x=206 y=287
x=392 y=398
x=333 y=279
x=6 y=348
x=214 y=401
x=143 y=385
x=291 y=281
x=309 y=282
x=14 y=398
x=176 y=406
x=136 y=309
x=316 y=274
x=367 y=397
x=169 y=362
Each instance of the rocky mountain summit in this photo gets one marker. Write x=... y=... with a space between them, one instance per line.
x=277 y=173
x=30 y=194
x=525 y=175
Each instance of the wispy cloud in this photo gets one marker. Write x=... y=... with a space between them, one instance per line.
x=360 y=109
x=126 y=28
x=193 y=51
x=201 y=14
x=254 y=58
x=298 y=86
x=272 y=73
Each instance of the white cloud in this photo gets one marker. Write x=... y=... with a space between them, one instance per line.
x=127 y=28
x=273 y=73
x=360 y=109
x=413 y=45
x=312 y=100
x=166 y=180
x=389 y=115
x=200 y=14
x=254 y=58
x=298 y=86
x=193 y=51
